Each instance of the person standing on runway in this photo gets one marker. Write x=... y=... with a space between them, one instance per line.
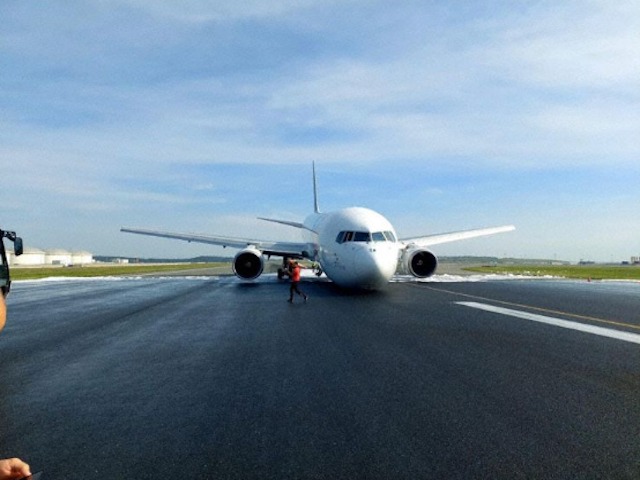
x=294 y=275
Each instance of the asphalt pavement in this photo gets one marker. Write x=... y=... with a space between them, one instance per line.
x=212 y=378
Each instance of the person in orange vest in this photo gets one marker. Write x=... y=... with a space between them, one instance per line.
x=294 y=274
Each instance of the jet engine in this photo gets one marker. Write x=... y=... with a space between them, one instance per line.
x=419 y=263
x=248 y=264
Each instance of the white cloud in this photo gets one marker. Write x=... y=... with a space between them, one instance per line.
x=569 y=45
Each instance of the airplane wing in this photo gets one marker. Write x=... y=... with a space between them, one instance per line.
x=281 y=249
x=429 y=240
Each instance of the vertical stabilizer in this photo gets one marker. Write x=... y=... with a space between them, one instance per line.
x=315 y=190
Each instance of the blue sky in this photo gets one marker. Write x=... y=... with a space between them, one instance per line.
x=198 y=116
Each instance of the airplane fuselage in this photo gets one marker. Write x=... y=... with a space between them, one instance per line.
x=355 y=247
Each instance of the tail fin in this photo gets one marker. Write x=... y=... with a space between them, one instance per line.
x=315 y=190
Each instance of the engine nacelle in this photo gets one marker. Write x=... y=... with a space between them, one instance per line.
x=419 y=263
x=248 y=264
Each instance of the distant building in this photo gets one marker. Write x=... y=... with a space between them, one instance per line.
x=30 y=256
x=36 y=257
x=635 y=260
x=56 y=256
x=81 y=258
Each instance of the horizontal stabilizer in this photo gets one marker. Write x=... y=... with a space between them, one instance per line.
x=286 y=222
x=429 y=240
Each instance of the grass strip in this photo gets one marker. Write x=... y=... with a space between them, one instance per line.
x=36 y=273
x=593 y=272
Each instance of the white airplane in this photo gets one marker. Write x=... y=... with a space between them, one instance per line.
x=355 y=247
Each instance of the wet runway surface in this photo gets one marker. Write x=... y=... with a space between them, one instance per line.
x=210 y=378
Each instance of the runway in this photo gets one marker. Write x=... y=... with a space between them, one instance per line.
x=206 y=377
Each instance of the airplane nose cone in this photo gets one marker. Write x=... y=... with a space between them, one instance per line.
x=375 y=268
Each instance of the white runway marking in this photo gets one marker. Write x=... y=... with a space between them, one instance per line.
x=582 y=327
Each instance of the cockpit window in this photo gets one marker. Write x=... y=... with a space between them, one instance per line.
x=346 y=236
x=362 y=237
